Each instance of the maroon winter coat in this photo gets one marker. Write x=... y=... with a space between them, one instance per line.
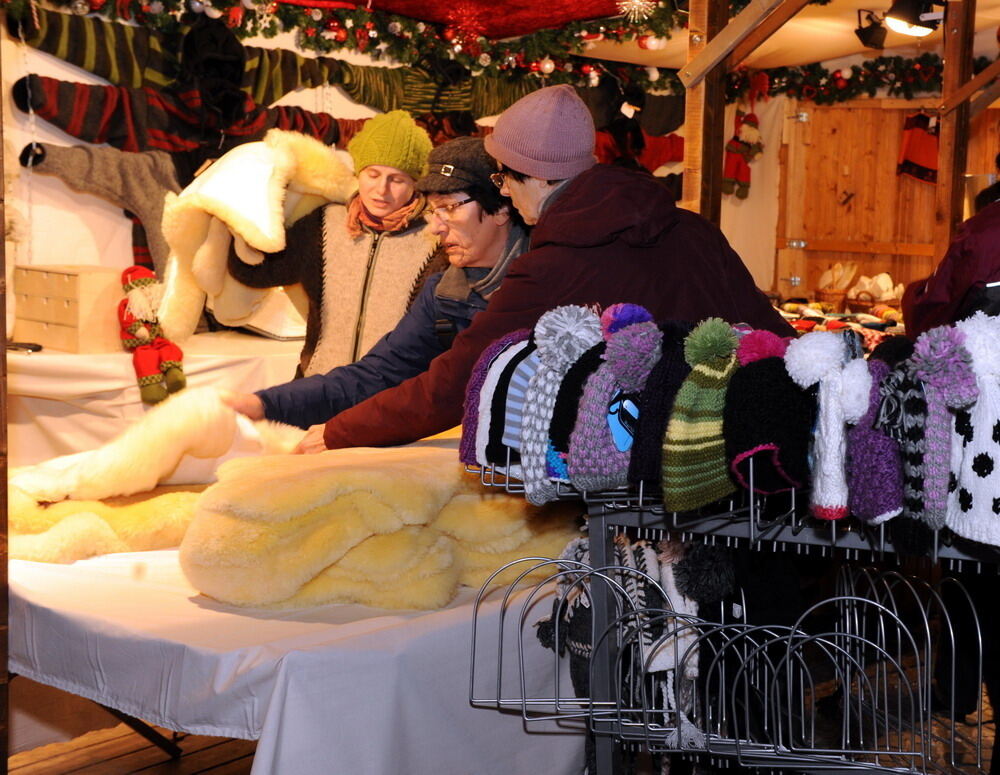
x=972 y=260
x=611 y=235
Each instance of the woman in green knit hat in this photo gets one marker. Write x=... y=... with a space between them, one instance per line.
x=362 y=263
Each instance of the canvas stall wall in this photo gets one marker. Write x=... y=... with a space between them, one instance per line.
x=840 y=193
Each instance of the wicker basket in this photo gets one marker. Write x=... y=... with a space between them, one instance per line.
x=864 y=302
x=833 y=297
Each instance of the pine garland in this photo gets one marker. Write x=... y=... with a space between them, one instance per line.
x=513 y=66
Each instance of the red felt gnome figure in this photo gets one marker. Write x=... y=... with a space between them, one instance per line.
x=157 y=361
x=743 y=148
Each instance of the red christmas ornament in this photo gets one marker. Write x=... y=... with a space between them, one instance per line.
x=449 y=34
x=361 y=36
x=97 y=5
x=234 y=16
x=310 y=32
x=840 y=83
x=340 y=35
x=333 y=23
x=592 y=35
x=534 y=67
x=369 y=25
x=586 y=69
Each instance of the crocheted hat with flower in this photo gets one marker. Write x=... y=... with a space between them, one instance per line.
x=941 y=362
x=601 y=442
x=694 y=452
x=823 y=357
x=656 y=401
x=470 y=413
x=767 y=419
x=974 y=500
x=561 y=335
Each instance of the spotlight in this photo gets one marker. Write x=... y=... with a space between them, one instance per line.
x=910 y=17
x=871 y=34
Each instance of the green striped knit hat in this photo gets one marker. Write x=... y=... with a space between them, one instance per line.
x=694 y=452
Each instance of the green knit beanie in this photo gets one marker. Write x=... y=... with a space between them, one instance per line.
x=694 y=454
x=391 y=139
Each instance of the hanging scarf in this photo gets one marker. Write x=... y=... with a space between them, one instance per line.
x=360 y=220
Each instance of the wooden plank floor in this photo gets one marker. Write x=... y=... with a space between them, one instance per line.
x=120 y=751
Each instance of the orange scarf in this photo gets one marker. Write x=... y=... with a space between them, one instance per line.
x=359 y=219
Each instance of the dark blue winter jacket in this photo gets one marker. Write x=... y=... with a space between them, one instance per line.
x=445 y=306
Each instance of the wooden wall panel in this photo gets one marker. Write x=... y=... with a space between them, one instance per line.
x=855 y=207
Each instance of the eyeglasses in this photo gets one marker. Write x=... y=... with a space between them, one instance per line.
x=498 y=179
x=445 y=212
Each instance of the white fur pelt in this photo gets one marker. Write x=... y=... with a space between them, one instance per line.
x=253 y=191
x=193 y=423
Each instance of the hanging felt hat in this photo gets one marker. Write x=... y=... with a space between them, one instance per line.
x=941 y=362
x=874 y=466
x=768 y=419
x=491 y=395
x=391 y=139
x=473 y=392
x=600 y=445
x=824 y=358
x=565 y=410
x=655 y=402
x=694 y=454
x=974 y=500
x=561 y=335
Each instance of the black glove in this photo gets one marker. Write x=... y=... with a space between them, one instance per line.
x=32 y=155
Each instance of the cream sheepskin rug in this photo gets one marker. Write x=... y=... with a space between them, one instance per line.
x=396 y=528
x=393 y=528
x=252 y=192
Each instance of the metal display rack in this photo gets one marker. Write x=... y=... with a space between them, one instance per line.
x=846 y=688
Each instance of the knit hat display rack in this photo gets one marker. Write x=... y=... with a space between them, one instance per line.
x=763 y=522
x=846 y=687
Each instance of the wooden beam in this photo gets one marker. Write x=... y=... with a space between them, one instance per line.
x=984 y=99
x=770 y=25
x=719 y=47
x=953 y=134
x=704 y=115
x=967 y=89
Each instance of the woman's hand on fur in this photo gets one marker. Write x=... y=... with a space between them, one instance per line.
x=312 y=442
x=246 y=404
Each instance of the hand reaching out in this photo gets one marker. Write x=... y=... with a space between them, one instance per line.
x=312 y=442
x=246 y=404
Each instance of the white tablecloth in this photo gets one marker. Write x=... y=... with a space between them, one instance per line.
x=335 y=689
x=61 y=403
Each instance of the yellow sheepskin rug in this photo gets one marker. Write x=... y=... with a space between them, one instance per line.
x=393 y=528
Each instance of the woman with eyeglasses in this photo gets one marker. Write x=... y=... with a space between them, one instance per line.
x=479 y=232
x=360 y=264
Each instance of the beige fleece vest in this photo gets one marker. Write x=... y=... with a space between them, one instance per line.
x=367 y=285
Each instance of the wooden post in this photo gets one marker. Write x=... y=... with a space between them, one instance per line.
x=4 y=692
x=704 y=115
x=954 y=128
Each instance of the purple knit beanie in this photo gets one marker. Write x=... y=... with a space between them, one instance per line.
x=562 y=335
x=548 y=134
x=874 y=466
x=598 y=456
x=470 y=413
x=942 y=363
